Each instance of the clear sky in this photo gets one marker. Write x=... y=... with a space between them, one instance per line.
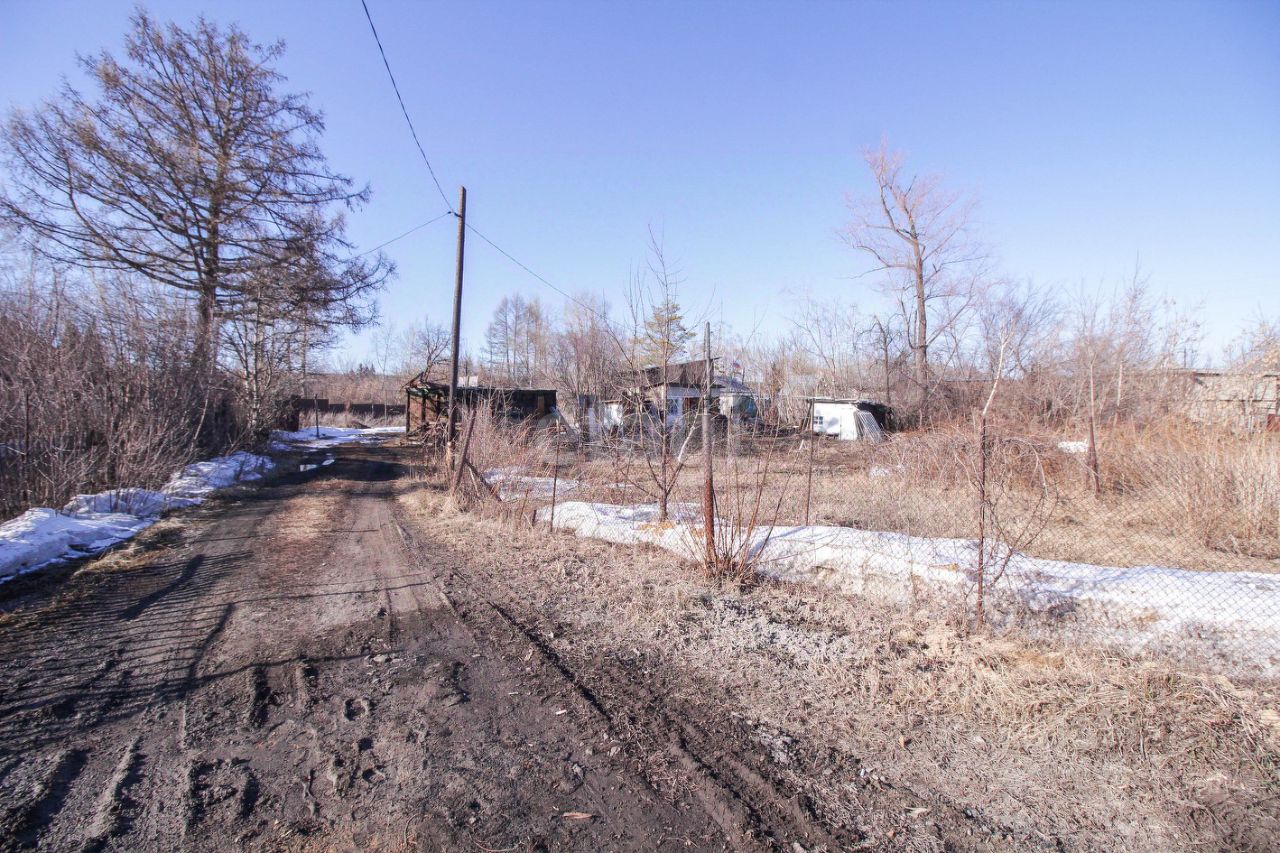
x=1094 y=135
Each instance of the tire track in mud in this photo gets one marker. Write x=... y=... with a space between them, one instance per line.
x=242 y=691
x=750 y=810
x=114 y=809
x=139 y=636
x=36 y=807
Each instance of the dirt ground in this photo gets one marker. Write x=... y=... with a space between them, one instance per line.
x=334 y=661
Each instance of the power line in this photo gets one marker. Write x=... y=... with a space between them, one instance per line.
x=440 y=189
x=405 y=110
x=522 y=266
x=418 y=227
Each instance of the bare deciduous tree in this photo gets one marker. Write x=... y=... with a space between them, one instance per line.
x=424 y=348
x=918 y=234
x=190 y=168
x=661 y=338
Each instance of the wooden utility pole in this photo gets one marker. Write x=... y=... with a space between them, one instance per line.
x=708 y=486
x=451 y=434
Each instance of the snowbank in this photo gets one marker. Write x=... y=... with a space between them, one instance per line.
x=1236 y=609
x=331 y=436
x=91 y=523
x=1073 y=446
x=142 y=503
x=42 y=535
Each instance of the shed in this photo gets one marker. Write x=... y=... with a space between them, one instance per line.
x=427 y=401
x=848 y=419
x=640 y=395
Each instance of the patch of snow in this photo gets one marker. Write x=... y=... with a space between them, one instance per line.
x=143 y=503
x=1073 y=446
x=331 y=436
x=41 y=536
x=1238 y=611
x=311 y=466
x=512 y=482
x=92 y=523
x=198 y=479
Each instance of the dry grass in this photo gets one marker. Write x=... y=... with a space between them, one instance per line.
x=346 y=419
x=1077 y=748
x=1175 y=495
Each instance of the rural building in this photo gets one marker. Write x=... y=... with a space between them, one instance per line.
x=1249 y=402
x=643 y=390
x=427 y=401
x=848 y=419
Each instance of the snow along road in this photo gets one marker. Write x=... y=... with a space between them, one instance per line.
x=90 y=524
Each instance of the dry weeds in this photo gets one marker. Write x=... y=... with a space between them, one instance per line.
x=1175 y=495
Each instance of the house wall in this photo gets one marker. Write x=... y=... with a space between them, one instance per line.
x=1243 y=401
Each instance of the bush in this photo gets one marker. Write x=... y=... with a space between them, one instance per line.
x=97 y=391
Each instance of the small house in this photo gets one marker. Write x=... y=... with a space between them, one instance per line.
x=1244 y=401
x=643 y=392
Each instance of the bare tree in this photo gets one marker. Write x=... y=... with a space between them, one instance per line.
x=918 y=234
x=190 y=168
x=832 y=333
x=517 y=341
x=583 y=354
x=424 y=347
x=1258 y=347
x=94 y=388
x=661 y=338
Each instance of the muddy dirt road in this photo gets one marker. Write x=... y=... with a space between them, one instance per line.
x=298 y=668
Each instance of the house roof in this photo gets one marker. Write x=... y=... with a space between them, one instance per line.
x=688 y=373
x=854 y=401
x=428 y=385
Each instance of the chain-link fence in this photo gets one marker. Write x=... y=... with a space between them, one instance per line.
x=1163 y=540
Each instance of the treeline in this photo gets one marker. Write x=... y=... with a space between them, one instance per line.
x=98 y=388
x=1061 y=355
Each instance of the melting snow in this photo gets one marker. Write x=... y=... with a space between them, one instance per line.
x=510 y=482
x=331 y=436
x=91 y=523
x=1240 y=611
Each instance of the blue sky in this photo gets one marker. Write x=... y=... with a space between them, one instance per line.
x=1093 y=134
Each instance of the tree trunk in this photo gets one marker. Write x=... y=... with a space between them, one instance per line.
x=922 y=339
x=206 y=326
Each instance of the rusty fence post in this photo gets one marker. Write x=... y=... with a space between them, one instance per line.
x=555 y=480
x=808 y=480
x=980 y=607
x=708 y=486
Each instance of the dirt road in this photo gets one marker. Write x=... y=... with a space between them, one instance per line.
x=299 y=668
